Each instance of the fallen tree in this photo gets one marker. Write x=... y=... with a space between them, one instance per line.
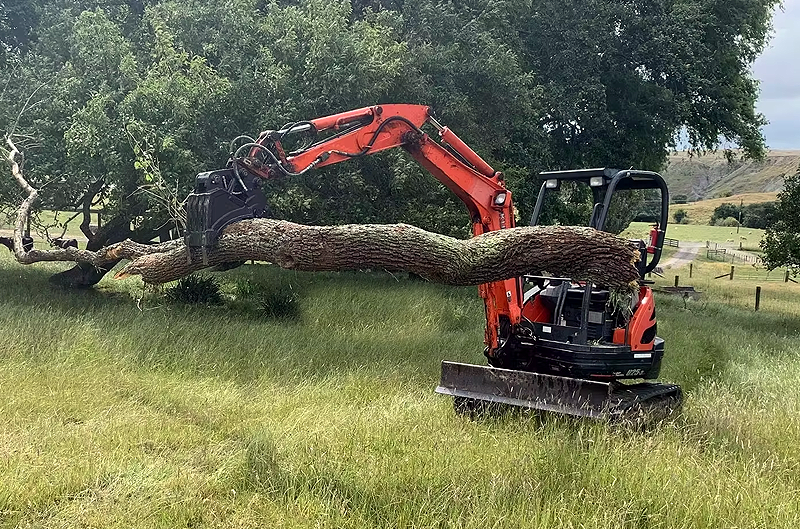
x=580 y=253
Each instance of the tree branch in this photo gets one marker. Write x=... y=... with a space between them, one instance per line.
x=86 y=208
x=25 y=207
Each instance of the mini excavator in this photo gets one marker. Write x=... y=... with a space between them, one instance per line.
x=552 y=343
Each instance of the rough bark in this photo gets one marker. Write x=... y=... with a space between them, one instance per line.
x=580 y=253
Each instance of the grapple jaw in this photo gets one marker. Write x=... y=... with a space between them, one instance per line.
x=220 y=198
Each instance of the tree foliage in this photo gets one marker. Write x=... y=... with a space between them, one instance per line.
x=119 y=102
x=781 y=242
x=760 y=215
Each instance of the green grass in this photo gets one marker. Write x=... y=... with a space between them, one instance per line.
x=52 y=219
x=692 y=232
x=175 y=415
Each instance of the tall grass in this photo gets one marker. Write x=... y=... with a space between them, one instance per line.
x=174 y=415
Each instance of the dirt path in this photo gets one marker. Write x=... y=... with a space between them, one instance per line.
x=685 y=255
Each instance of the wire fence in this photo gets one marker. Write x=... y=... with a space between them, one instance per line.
x=728 y=255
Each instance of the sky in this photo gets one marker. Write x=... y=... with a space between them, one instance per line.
x=778 y=69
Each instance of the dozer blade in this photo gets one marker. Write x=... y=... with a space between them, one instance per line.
x=570 y=396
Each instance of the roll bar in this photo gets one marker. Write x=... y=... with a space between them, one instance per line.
x=610 y=181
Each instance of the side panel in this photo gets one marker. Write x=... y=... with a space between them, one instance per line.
x=535 y=310
x=642 y=327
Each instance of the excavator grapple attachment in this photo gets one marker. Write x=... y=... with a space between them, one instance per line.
x=473 y=385
x=220 y=198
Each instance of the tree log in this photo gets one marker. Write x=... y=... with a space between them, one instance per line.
x=578 y=253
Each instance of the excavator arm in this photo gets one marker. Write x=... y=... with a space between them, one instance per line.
x=225 y=196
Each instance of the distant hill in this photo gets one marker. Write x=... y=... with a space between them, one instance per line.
x=711 y=176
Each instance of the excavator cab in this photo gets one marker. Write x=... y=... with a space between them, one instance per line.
x=583 y=330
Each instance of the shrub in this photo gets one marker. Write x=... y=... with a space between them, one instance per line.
x=280 y=303
x=277 y=302
x=679 y=215
x=724 y=211
x=195 y=289
x=759 y=215
x=729 y=222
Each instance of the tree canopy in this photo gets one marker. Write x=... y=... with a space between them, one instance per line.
x=781 y=243
x=121 y=103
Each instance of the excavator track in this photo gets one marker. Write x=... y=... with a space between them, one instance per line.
x=477 y=387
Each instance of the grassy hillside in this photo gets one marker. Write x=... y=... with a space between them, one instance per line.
x=711 y=176
x=112 y=416
x=700 y=212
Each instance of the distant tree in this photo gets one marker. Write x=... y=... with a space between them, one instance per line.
x=781 y=242
x=723 y=211
x=760 y=215
x=679 y=199
x=679 y=215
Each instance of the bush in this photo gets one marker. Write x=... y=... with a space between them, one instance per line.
x=195 y=289
x=280 y=303
x=724 y=211
x=759 y=215
x=680 y=215
x=729 y=222
x=277 y=302
x=680 y=199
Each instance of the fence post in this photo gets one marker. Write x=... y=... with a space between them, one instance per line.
x=758 y=297
x=786 y=276
x=732 y=269
x=690 y=270
x=677 y=280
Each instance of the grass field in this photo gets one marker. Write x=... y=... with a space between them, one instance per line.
x=52 y=218
x=750 y=237
x=174 y=416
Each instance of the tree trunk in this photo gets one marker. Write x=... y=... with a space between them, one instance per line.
x=579 y=253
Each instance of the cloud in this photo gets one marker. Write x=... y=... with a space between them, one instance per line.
x=779 y=75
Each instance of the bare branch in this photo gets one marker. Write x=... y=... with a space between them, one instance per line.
x=25 y=207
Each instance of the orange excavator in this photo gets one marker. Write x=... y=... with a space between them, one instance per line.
x=552 y=343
